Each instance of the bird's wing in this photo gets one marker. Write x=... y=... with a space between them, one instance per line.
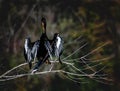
x=48 y=48
x=28 y=51
x=35 y=49
x=25 y=55
x=58 y=49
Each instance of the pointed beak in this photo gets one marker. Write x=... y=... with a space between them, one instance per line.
x=43 y=26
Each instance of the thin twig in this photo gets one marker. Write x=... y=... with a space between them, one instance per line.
x=4 y=78
x=74 y=41
x=95 y=50
x=13 y=69
x=87 y=65
x=90 y=60
x=74 y=52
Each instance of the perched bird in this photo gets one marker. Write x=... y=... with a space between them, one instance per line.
x=45 y=49
x=30 y=50
x=57 y=46
x=48 y=48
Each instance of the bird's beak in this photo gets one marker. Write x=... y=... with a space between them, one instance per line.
x=43 y=26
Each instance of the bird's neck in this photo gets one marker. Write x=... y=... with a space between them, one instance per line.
x=44 y=36
x=43 y=27
x=44 y=32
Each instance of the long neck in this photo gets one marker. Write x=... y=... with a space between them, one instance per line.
x=44 y=33
x=43 y=28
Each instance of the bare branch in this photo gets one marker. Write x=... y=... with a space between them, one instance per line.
x=90 y=60
x=5 y=78
x=74 y=52
x=95 y=49
x=75 y=41
x=13 y=69
x=70 y=71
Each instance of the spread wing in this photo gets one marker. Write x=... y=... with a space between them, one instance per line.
x=49 y=48
x=35 y=49
x=25 y=54
x=27 y=51
x=58 y=47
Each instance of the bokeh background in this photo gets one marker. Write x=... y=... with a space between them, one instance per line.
x=97 y=21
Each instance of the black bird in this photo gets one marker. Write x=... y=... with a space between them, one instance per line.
x=45 y=49
x=57 y=46
x=30 y=50
x=48 y=48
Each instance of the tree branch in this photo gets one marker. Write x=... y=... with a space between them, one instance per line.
x=72 y=73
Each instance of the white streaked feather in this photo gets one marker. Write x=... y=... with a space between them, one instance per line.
x=58 y=42
x=26 y=45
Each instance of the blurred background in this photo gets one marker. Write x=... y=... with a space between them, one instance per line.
x=97 y=21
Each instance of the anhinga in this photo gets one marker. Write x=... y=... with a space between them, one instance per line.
x=57 y=46
x=30 y=50
x=45 y=49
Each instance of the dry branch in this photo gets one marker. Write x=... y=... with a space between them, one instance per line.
x=76 y=75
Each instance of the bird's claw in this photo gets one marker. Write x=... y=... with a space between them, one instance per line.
x=48 y=62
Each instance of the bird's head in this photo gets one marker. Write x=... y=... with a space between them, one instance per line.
x=27 y=40
x=56 y=35
x=43 y=24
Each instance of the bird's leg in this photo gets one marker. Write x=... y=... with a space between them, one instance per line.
x=51 y=67
x=60 y=60
x=52 y=64
x=30 y=65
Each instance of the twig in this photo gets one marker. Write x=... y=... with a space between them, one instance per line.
x=76 y=73
x=74 y=80
x=95 y=50
x=74 y=52
x=87 y=65
x=102 y=82
x=91 y=66
x=74 y=41
x=23 y=64
x=5 y=78
x=13 y=69
x=90 y=60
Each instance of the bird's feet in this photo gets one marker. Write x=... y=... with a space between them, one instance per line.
x=48 y=62
x=60 y=61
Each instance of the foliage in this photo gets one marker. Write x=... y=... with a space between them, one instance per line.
x=95 y=22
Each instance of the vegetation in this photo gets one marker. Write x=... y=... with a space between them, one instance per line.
x=95 y=22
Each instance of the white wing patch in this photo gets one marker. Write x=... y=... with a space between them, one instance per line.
x=58 y=42
x=26 y=45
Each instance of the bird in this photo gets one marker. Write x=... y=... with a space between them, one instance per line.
x=30 y=50
x=57 y=46
x=48 y=48
x=45 y=49
x=54 y=46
